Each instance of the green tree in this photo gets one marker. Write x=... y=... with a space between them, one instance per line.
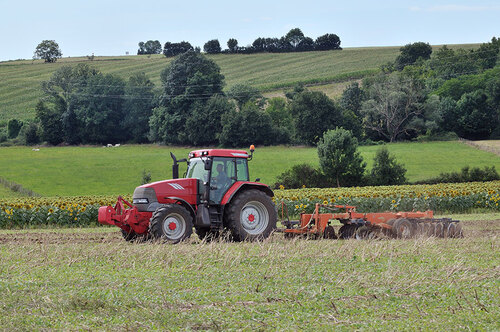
x=313 y=113
x=13 y=128
x=61 y=97
x=386 y=170
x=232 y=45
x=149 y=47
x=50 y=123
x=249 y=125
x=339 y=159
x=173 y=49
x=187 y=81
x=282 y=120
x=294 y=37
x=100 y=110
x=476 y=116
x=327 y=42
x=410 y=53
x=138 y=107
x=205 y=124
x=244 y=93
x=394 y=105
x=212 y=47
x=47 y=50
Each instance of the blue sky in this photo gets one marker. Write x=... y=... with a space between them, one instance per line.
x=106 y=27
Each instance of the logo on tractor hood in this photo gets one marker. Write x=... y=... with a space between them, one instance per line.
x=176 y=186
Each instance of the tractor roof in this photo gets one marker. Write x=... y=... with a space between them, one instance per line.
x=219 y=153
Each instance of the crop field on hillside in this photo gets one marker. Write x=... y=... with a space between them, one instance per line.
x=75 y=171
x=92 y=279
x=20 y=84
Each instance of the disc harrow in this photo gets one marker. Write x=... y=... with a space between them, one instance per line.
x=400 y=225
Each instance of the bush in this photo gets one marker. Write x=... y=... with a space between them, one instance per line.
x=467 y=174
x=30 y=133
x=386 y=170
x=301 y=175
x=13 y=128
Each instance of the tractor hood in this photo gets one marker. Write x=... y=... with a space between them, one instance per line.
x=149 y=196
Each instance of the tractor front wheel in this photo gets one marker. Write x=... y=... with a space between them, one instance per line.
x=171 y=223
x=251 y=216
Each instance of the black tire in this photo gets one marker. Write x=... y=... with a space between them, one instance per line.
x=130 y=236
x=347 y=231
x=403 y=229
x=206 y=234
x=329 y=233
x=251 y=216
x=171 y=223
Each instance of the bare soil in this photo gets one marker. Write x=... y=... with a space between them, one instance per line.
x=472 y=229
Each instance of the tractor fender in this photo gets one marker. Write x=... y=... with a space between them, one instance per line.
x=239 y=186
x=188 y=206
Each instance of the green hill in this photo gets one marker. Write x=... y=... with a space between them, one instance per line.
x=20 y=83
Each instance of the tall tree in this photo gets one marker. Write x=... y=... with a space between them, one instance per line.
x=393 y=105
x=232 y=45
x=212 y=47
x=327 y=42
x=410 y=53
x=138 y=107
x=339 y=159
x=313 y=113
x=48 y=50
x=188 y=80
x=294 y=37
x=173 y=49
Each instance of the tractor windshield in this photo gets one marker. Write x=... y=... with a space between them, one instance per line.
x=197 y=170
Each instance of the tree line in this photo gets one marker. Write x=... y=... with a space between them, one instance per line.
x=293 y=41
x=418 y=96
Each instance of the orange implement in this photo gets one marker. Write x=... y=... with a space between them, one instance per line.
x=361 y=225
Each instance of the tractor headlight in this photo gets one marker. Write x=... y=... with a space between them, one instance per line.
x=140 y=201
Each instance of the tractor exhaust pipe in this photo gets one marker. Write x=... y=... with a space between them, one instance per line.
x=175 y=166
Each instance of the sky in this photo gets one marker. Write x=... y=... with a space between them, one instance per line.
x=105 y=27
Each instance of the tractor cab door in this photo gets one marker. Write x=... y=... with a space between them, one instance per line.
x=225 y=172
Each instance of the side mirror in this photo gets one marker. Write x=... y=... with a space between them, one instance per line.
x=208 y=164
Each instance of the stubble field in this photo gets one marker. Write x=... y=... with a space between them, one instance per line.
x=92 y=279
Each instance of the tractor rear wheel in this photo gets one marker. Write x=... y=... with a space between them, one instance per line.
x=171 y=223
x=251 y=216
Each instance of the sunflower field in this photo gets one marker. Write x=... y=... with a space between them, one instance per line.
x=81 y=211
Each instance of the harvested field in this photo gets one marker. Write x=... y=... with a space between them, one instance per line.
x=91 y=279
x=472 y=229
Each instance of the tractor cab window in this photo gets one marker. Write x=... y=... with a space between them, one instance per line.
x=223 y=177
x=197 y=170
x=242 y=169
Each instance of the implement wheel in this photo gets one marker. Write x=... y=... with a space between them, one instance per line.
x=171 y=223
x=347 y=231
x=403 y=229
x=329 y=233
x=251 y=216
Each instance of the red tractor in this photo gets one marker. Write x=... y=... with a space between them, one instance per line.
x=215 y=195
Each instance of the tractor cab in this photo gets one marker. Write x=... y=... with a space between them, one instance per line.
x=218 y=171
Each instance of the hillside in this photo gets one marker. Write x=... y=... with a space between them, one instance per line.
x=19 y=86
